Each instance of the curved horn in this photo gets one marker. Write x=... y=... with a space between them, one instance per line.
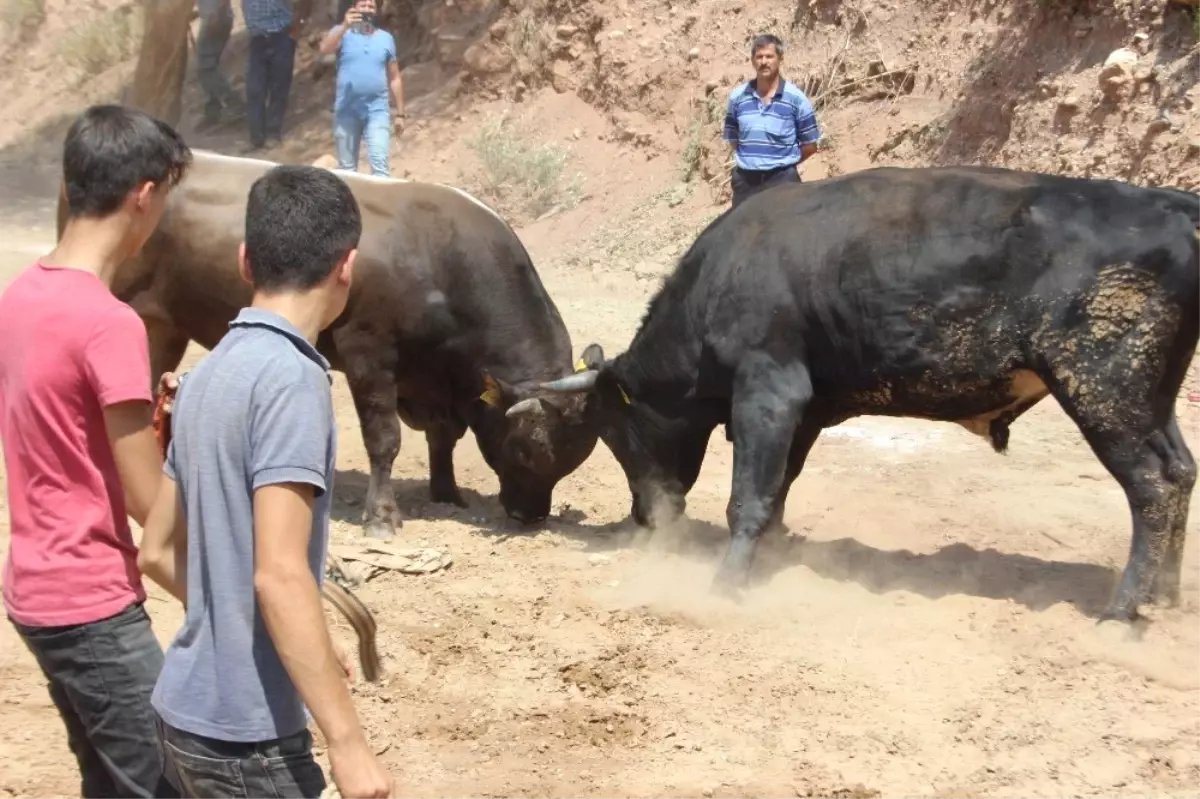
x=531 y=405
x=572 y=384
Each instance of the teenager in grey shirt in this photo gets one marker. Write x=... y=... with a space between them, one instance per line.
x=245 y=504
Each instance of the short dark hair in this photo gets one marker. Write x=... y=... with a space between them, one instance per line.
x=762 y=40
x=110 y=150
x=300 y=221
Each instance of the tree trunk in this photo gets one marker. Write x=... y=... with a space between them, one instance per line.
x=157 y=85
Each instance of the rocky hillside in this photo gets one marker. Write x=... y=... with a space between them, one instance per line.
x=1088 y=87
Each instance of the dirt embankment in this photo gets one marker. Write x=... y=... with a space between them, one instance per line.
x=926 y=628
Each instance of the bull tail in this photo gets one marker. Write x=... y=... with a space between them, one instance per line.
x=363 y=622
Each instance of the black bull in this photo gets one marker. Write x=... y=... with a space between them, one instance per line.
x=448 y=327
x=955 y=294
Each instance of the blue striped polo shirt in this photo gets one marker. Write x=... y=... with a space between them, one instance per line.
x=768 y=135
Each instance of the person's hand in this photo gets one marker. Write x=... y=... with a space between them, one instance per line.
x=164 y=402
x=167 y=385
x=352 y=16
x=358 y=773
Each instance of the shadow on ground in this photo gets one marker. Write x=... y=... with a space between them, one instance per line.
x=956 y=569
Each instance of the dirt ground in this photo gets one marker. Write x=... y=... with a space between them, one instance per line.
x=926 y=628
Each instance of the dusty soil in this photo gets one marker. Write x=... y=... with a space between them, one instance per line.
x=926 y=628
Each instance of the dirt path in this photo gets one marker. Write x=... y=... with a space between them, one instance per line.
x=930 y=636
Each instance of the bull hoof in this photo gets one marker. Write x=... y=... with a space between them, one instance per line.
x=447 y=496
x=1115 y=614
x=1166 y=594
x=380 y=529
x=729 y=587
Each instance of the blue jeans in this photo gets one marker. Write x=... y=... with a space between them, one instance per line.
x=100 y=677
x=349 y=129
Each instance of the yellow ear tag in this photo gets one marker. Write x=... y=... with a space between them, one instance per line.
x=491 y=391
x=580 y=366
x=624 y=396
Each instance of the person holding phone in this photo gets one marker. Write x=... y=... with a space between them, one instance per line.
x=367 y=73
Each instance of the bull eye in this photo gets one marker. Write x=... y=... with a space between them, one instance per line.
x=523 y=455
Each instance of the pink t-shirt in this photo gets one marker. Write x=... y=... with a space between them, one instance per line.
x=68 y=348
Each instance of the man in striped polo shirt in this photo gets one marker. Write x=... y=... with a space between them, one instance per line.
x=770 y=123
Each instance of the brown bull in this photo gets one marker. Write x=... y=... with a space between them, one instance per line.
x=448 y=327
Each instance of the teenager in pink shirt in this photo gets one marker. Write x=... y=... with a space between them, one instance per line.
x=80 y=453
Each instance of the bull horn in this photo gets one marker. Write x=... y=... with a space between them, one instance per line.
x=571 y=384
x=531 y=405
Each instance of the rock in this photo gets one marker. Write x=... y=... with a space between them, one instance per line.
x=693 y=54
x=565 y=31
x=499 y=29
x=1069 y=104
x=711 y=86
x=1158 y=126
x=480 y=59
x=1122 y=55
x=1117 y=71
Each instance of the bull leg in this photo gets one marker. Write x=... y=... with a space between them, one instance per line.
x=167 y=346
x=802 y=444
x=768 y=403
x=374 y=393
x=1170 y=575
x=442 y=438
x=1136 y=451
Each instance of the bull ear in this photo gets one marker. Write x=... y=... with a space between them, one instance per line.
x=497 y=393
x=591 y=358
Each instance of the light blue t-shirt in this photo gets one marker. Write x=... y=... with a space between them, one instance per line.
x=256 y=411
x=362 y=73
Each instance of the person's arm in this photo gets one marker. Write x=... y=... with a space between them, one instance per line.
x=117 y=364
x=333 y=40
x=163 y=554
x=730 y=134
x=395 y=84
x=290 y=432
x=808 y=133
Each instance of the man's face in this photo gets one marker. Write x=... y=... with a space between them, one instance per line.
x=766 y=62
x=365 y=6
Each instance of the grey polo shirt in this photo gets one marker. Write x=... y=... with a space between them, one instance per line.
x=256 y=410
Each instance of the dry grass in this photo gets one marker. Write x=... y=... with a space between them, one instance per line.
x=706 y=121
x=99 y=43
x=21 y=16
x=522 y=177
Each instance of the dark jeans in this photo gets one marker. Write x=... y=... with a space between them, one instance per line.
x=200 y=766
x=101 y=675
x=749 y=182
x=268 y=83
x=210 y=43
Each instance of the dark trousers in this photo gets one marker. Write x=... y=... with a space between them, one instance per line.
x=100 y=676
x=748 y=182
x=200 y=766
x=268 y=83
x=210 y=44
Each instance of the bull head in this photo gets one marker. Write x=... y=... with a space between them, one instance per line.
x=540 y=438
